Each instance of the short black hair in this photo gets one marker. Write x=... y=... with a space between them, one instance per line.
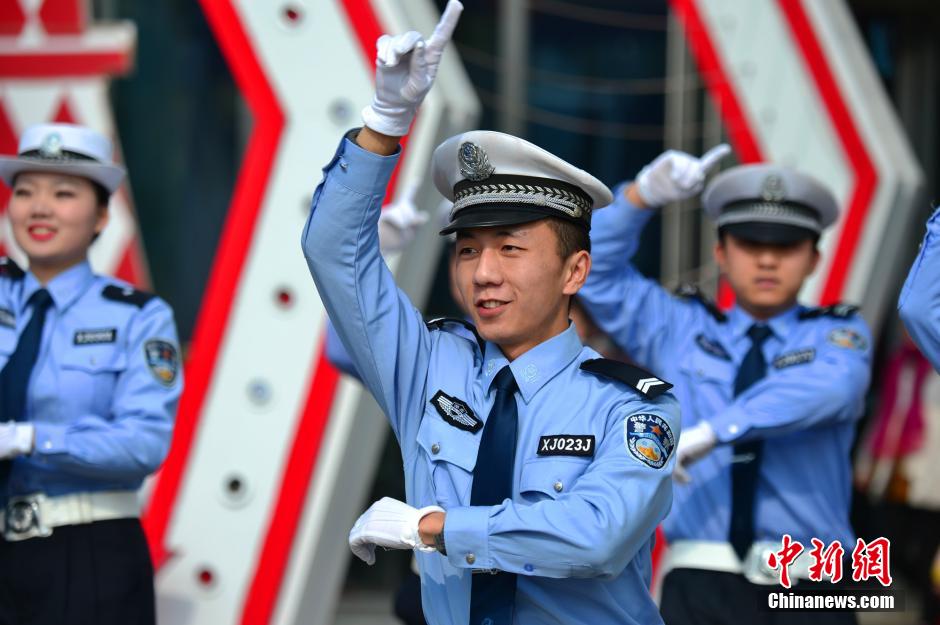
x=572 y=238
x=102 y=195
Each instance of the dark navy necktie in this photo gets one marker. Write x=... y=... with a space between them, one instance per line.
x=14 y=378
x=744 y=472
x=492 y=596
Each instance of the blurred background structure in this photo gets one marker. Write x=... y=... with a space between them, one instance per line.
x=605 y=84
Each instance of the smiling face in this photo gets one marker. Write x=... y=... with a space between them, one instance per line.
x=54 y=218
x=766 y=278
x=515 y=284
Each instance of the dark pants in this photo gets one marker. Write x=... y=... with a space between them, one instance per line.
x=698 y=597
x=94 y=574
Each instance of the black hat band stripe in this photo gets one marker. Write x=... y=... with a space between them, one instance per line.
x=64 y=156
x=791 y=213
x=572 y=204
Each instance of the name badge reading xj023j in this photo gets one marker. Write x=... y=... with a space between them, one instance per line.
x=566 y=445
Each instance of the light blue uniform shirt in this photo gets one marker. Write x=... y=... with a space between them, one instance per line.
x=579 y=528
x=919 y=303
x=104 y=389
x=805 y=408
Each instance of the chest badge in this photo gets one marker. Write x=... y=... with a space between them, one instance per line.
x=456 y=412
x=799 y=357
x=712 y=347
x=7 y=318
x=567 y=445
x=95 y=337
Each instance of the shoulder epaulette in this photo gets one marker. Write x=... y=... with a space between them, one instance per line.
x=690 y=291
x=839 y=311
x=9 y=269
x=127 y=295
x=645 y=383
x=440 y=322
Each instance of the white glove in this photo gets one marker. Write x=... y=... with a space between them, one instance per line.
x=405 y=67
x=16 y=439
x=675 y=175
x=391 y=524
x=400 y=222
x=694 y=444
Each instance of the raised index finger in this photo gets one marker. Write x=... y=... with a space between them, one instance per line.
x=445 y=28
x=714 y=155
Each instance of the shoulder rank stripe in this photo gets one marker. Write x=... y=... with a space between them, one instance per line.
x=440 y=322
x=690 y=291
x=128 y=295
x=645 y=383
x=839 y=311
x=9 y=269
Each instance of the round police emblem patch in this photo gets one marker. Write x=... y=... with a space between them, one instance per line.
x=649 y=439
x=848 y=338
x=162 y=360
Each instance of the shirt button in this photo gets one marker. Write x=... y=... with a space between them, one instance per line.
x=47 y=445
x=559 y=487
x=343 y=165
x=529 y=568
x=435 y=448
x=732 y=429
x=470 y=558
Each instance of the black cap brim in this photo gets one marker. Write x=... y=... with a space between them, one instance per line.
x=767 y=232
x=482 y=216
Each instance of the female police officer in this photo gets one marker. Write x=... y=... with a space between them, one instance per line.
x=89 y=385
x=535 y=471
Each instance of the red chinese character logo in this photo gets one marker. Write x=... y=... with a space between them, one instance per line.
x=783 y=558
x=872 y=560
x=826 y=561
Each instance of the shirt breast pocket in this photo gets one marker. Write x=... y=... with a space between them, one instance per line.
x=448 y=456
x=88 y=377
x=709 y=377
x=550 y=477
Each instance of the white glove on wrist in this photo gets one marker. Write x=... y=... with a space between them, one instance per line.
x=400 y=222
x=694 y=444
x=391 y=524
x=16 y=439
x=675 y=175
x=405 y=67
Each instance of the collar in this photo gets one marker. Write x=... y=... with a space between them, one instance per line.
x=65 y=288
x=536 y=367
x=739 y=321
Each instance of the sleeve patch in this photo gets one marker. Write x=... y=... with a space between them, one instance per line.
x=848 y=338
x=163 y=361
x=649 y=439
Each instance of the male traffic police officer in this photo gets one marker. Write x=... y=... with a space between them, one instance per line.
x=536 y=471
x=919 y=303
x=770 y=390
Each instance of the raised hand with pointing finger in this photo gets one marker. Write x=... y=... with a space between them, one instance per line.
x=675 y=175
x=405 y=68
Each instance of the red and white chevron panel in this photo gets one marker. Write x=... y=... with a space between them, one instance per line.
x=273 y=452
x=54 y=66
x=796 y=85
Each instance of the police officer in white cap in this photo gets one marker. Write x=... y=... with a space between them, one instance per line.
x=770 y=390
x=89 y=382
x=536 y=471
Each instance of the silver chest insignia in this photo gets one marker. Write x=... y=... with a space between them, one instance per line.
x=456 y=412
